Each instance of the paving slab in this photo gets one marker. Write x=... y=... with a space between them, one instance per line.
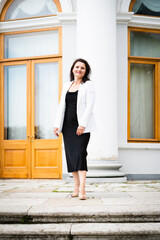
x=108 y=195
x=12 y=210
x=135 y=201
x=133 y=186
x=35 y=229
x=119 y=229
x=88 y=189
x=72 y=202
x=33 y=195
x=40 y=190
x=22 y=201
x=145 y=195
x=17 y=191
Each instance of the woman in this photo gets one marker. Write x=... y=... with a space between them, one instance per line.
x=75 y=119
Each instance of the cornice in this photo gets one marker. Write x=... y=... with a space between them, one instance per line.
x=34 y=23
x=67 y=18
x=128 y=18
x=144 y=21
x=124 y=18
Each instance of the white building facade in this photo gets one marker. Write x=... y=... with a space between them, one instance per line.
x=39 y=41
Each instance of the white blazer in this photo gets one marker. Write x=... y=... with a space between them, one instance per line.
x=85 y=104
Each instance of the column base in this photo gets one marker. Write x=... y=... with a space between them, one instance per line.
x=104 y=171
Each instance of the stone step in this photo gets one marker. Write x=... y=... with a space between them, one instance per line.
x=80 y=214
x=77 y=231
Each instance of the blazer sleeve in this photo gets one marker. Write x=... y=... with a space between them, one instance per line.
x=59 y=112
x=90 y=101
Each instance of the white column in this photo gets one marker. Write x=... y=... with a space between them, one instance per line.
x=96 y=42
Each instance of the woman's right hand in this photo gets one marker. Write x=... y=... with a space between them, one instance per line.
x=56 y=130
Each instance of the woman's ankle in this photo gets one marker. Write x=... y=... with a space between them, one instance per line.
x=76 y=189
x=82 y=191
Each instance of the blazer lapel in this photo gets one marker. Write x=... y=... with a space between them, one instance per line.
x=80 y=91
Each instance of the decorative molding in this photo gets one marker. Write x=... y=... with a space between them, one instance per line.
x=34 y=23
x=143 y=146
x=124 y=18
x=67 y=18
x=138 y=21
x=144 y=21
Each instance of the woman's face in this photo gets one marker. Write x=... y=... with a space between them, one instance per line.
x=79 y=70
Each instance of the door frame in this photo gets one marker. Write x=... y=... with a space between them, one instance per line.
x=30 y=116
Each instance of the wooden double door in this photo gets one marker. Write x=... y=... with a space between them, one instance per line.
x=29 y=95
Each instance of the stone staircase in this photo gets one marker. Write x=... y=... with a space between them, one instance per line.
x=43 y=209
x=127 y=222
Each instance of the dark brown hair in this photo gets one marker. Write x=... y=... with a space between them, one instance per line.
x=87 y=73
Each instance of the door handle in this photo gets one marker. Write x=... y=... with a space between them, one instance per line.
x=32 y=138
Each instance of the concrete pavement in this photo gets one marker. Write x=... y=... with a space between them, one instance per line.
x=16 y=193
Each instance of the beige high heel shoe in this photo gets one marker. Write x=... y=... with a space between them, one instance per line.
x=82 y=197
x=74 y=195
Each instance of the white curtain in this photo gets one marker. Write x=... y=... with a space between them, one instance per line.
x=141 y=101
x=153 y=5
x=30 y=8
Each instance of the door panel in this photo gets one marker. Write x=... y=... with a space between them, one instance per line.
x=46 y=98
x=15 y=78
x=15 y=159
x=46 y=147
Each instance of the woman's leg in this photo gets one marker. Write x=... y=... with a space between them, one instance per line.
x=76 y=183
x=82 y=177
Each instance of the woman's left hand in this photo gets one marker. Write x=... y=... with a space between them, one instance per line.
x=80 y=130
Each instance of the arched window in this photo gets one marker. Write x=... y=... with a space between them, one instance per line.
x=18 y=9
x=145 y=7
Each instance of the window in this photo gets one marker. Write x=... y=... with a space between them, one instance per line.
x=144 y=85
x=19 y=9
x=35 y=43
x=145 y=7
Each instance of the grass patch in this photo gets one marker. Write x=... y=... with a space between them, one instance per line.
x=150 y=186
x=58 y=191
x=26 y=219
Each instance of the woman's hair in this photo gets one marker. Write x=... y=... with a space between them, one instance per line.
x=87 y=73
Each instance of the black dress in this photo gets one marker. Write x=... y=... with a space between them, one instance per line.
x=75 y=146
